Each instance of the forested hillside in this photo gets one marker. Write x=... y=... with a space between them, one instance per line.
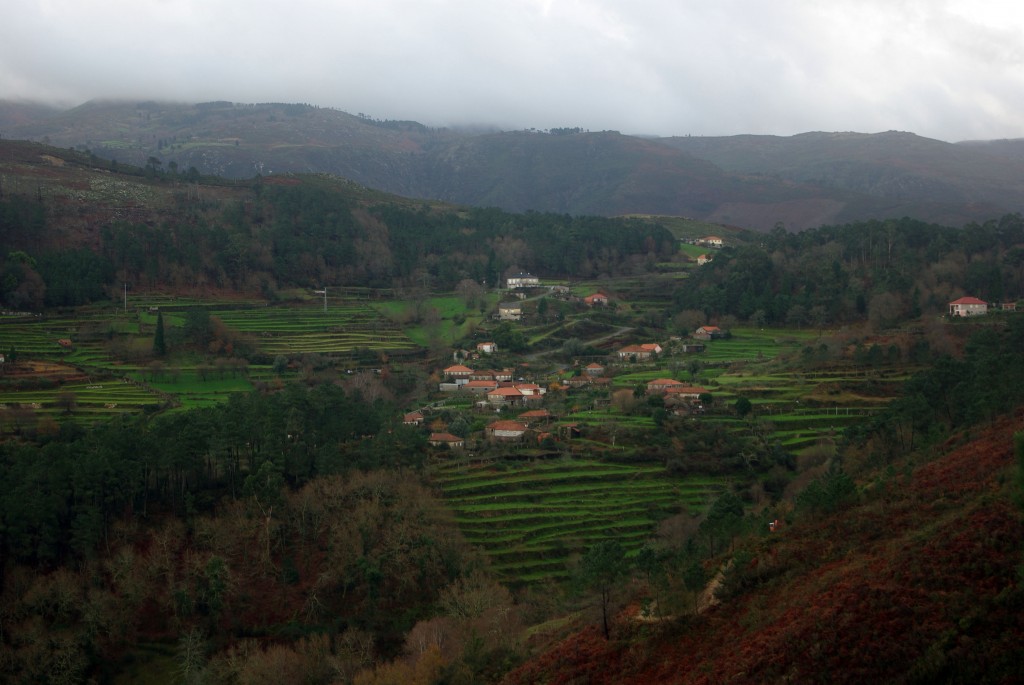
x=749 y=181
x=72 y=231
x=885 y=271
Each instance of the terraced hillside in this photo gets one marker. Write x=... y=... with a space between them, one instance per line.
x=342 y=329
x=98 y=363
x=530 y=518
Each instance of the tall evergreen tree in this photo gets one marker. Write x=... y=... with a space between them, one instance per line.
x=159 y=341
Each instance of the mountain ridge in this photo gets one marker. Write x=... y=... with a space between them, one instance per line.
x=753 y=181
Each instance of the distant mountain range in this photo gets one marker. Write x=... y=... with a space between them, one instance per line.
x=750 y=181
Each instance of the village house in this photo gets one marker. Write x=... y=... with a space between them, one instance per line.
x=506 y=430
x=535 y=416
x=502 y=374
x=486 y=347
x=481 y=387
x=710 y=241
x=662 y=385
x=640 y=352
x=521 y=280
x=708 y=333
x=704 y=259
x=413 y=418
x=579 y=381
x=689 y=393
x=446 y=440
x=594 y=369
x=530 y=389
x=500 y=397
x=968 y=306
x=510 y=311
x=691 y=348
x=458 y=374
x=596 y=300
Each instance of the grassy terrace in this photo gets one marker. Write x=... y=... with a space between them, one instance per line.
x=109 y=343
x=531 y=518
x=81 y=402
x=341 y=329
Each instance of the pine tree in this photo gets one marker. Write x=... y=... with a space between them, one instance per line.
x=159 y=342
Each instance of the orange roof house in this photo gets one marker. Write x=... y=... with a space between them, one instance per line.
x=535 y=415
x=663 y=385
x=506 y=430
x=686 y=392
x=708 y=333
x=480 y=387
x=644 y=351
x=500 y=396
x=968 y=306
x=446 y=440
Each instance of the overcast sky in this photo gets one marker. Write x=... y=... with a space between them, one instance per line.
x=951 y=70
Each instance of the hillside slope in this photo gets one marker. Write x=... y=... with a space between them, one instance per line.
x=917 y=583
x=751 y=181
x=894 y=168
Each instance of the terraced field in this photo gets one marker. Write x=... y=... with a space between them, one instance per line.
x=752 y=344
x=82 y=402
x=109 y=343
x=530 y=518
x=341 y=329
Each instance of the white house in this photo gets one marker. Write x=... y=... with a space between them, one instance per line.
x=968 y=306
x=521 y=280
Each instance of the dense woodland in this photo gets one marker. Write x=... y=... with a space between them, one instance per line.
x=308 y=235
x=885 y=271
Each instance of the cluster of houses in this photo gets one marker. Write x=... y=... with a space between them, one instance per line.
x=528 y=425
x=495 y=386
x=518 y=284
x=499 y=390
x=677 y=392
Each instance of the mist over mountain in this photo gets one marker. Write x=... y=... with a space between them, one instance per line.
x=750 y=181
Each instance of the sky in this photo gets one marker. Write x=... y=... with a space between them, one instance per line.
x=946 y=69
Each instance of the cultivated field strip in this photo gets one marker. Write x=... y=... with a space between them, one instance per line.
x=531 y=518
x=82 y=402
x=342 y=329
